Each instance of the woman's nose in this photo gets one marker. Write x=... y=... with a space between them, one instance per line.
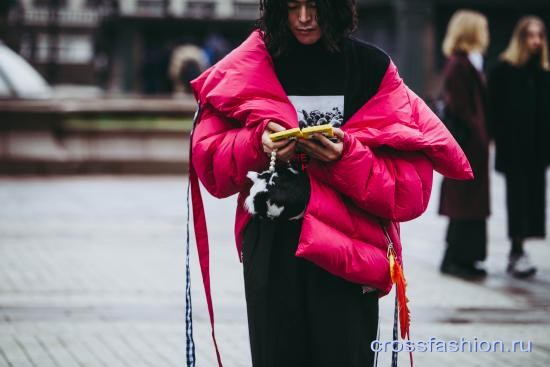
x=304 y=14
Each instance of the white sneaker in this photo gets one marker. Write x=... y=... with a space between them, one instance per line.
x=520 y=266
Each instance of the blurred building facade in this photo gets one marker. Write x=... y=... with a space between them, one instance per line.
x=125 y=45
x=57 y=36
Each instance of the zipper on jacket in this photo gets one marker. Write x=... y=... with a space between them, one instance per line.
x=391 y=249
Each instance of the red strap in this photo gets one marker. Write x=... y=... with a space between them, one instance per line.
x=201 y=236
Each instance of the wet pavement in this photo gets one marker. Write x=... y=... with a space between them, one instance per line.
x=92 y=274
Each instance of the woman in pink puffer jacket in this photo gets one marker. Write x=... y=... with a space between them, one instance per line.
x=312 y=284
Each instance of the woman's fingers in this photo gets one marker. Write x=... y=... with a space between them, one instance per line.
x=324 y=141
x=274 y=127
x=287 y=152
x=311 y=149
x=269 y=145
x=281 y=144
x=327 y=152
x=339 y=133
x=332 y=151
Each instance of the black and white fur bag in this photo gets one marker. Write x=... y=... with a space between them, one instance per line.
x=279 y=192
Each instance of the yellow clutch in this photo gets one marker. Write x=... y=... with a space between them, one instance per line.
x=305 y=133
x=286 y=134
x=326 y=130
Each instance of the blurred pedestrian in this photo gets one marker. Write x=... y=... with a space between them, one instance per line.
x=519 y=88
x=188 y=61
x=466 y=203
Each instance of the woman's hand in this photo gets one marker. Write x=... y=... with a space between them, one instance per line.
x=285 y=148
x=327 y=151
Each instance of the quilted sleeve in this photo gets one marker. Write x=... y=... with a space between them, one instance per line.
x=387 y=183
x=223 y=152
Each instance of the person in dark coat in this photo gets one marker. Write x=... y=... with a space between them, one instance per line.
x=519 y=89
x=466 y=203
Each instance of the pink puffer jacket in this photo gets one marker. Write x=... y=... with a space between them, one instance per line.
x=391 y=146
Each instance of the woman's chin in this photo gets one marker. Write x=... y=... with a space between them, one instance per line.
x=307 y=38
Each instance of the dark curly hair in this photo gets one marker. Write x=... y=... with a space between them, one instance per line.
x=336 y=18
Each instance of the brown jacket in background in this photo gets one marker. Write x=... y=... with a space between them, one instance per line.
x=465 y=95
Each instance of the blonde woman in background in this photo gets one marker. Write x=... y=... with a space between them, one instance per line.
x=466 y=203
x=519 y=89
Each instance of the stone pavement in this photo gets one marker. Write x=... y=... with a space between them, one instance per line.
x=92 y=274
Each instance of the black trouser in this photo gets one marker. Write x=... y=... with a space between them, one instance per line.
x=298 y=314
x=466 y=241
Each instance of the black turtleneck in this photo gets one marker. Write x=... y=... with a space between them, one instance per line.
x=310 y=70
x=355 y=71
x=314 y=80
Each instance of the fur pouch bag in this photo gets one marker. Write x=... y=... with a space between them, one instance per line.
x=280 y=192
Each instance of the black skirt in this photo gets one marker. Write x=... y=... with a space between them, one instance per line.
x=299 y=314
x=526 y=203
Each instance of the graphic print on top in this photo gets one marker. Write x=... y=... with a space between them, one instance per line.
x=319 y=110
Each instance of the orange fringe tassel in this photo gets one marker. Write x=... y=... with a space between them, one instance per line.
x=398 y=278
